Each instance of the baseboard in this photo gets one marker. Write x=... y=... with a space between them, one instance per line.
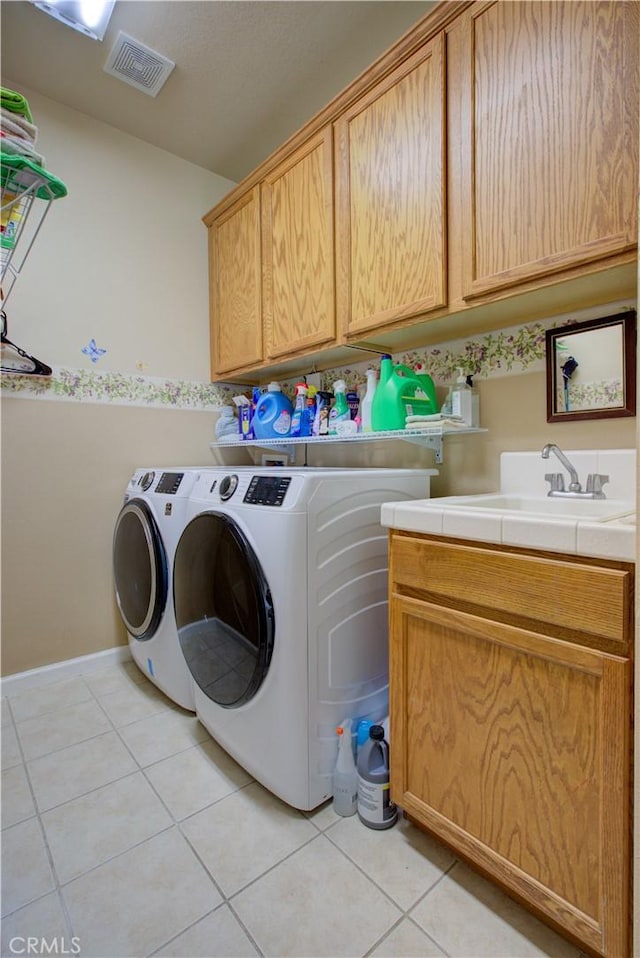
x=57 y=671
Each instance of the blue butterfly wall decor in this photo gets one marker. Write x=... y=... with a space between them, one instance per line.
x=93 y=351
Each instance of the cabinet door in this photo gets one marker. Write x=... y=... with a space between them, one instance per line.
x=551 y=138
x=298 y=257
x=390 y=182
x=514 y=747
x=235 y=287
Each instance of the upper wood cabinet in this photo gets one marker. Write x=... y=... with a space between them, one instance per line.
x=235 y=286
x=549 y=139
x=390 y=185
x=482 y=171
x=297 y=250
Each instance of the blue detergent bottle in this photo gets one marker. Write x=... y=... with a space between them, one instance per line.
x=272 y=415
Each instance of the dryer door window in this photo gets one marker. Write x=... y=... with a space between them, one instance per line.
x=223 y=608
x=139 y=570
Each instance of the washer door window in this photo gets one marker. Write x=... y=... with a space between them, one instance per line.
x=139 y=570
x=223 y=608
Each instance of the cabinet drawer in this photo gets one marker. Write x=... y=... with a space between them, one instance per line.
x=570 y=595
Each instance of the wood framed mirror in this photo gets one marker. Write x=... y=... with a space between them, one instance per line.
x=591 y=369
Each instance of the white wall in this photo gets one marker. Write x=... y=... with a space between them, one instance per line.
x=122 y=259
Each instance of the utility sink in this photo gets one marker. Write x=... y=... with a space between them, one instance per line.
x=599 y=510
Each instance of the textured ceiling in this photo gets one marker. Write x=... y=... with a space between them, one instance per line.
x=248 y=74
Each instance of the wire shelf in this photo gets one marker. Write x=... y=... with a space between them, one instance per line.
x=430 y=436
x=21 y=217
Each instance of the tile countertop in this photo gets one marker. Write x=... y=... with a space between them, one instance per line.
x=523 y=474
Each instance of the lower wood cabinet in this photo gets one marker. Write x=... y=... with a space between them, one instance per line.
x=512 y=727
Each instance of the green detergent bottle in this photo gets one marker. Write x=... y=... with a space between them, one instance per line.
x=400 y=393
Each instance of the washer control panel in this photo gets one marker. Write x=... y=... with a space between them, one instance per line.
x=267 y=490
x=169 y=483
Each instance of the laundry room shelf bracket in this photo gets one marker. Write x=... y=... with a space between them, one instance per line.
x=431 y=438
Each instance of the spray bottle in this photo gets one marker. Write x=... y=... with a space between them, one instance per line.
x=298 y=408
x=340 y=410
x=367 y=402
x=345 y=776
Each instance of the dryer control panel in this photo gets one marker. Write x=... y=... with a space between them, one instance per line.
x=267 y=490
x=169 y=483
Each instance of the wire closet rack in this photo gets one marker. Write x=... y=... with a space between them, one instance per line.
x=27 y=193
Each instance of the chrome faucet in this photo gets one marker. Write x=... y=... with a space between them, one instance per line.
x=595 y=482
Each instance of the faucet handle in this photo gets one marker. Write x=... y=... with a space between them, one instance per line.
x=556 y=482
x=595 y=482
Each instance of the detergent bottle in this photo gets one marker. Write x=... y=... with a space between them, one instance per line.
x=400 y=393
x=272 y=415
x=345 y=776
x=298 y=408
x=375 y=808
x=340 y=411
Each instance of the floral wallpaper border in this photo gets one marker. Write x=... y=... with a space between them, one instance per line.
x=504 y=352
x=605 y=394
x=84 y=385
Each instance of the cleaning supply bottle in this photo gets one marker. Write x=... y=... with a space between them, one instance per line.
x=375 y=808
x=400 y=393
x=475 y=404
x=309 y=412
x=340 y=411
x=362 y=733
x=321 y=418
x=367 y=402
x=298 y=408
x=353 y=402
x=461 y=399
x=345 y=776
x=226 y=424
x=272 y=415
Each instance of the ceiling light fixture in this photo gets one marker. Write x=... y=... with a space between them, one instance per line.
x=90 y=17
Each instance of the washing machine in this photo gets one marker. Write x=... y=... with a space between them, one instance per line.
x=146 y=533
x=280 y=600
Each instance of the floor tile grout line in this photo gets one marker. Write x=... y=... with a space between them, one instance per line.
x=435 y=941
x=90 y=791
x=57 y=889
x=275 y=865
x=116 y=855
x=42 y=688
x=220 y=907
x=361 y=869
x=249 y=935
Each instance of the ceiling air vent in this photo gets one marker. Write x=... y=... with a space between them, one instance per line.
x=138 y=65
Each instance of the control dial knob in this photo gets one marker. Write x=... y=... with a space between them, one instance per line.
x=228 y=486
x=147 y=481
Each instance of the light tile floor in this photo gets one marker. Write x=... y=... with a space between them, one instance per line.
x=127 y=831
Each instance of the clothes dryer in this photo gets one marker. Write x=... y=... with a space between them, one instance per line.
x=146 y=532
x=280 y=597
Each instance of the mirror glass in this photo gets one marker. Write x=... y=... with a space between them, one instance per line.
x=591 y=369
